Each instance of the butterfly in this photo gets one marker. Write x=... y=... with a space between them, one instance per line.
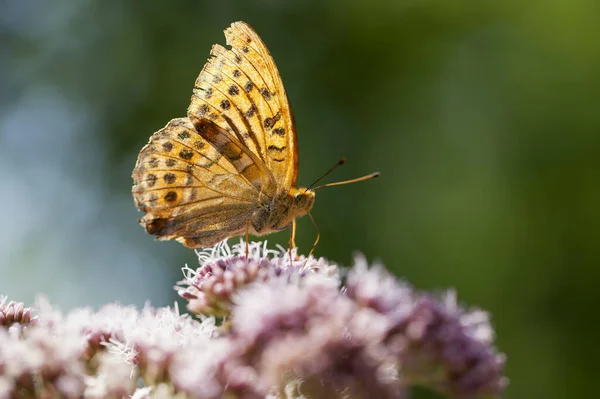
x=230 y=167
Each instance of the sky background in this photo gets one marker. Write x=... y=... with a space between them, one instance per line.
x=483 y=118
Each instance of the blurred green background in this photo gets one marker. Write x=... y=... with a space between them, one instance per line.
x=483 y=117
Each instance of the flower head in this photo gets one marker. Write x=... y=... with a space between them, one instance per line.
x=307 y=335
x=437 y=343
x=96 y=354
x=14 y=313
x=224 y=270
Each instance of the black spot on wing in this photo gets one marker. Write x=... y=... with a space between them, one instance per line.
x=270 y=122
x=233 y=90
x=170 y=196
x=151 y=179
x=203 y=110
x=275 y=148
x=265 y=93
x=169 y=178
x=225 y=104
x=183 y=135
x=186 y=154
x=153 y=162
x=251 y=111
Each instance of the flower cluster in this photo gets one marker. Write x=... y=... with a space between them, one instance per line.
x=262 y=324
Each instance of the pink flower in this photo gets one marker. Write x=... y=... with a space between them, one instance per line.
x=290 y=328
x=224 y=270
x=14 y=313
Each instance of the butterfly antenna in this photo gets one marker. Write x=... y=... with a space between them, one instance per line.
x=339 y=183
x=334 y=167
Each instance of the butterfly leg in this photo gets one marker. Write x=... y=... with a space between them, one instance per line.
x=247 y=233
x=318 y=235
x=292 y=243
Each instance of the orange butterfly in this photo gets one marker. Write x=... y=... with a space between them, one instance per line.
x=231 y=165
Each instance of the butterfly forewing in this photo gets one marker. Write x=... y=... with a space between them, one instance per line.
x=280 y=133
x=244 y=85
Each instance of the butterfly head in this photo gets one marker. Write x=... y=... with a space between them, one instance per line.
x=303 y=200
x=279 y=214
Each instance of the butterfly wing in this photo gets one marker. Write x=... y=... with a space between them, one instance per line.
x=190 y=189
x=241 y=91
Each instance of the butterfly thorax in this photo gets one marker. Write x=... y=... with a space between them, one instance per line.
x=279 y=212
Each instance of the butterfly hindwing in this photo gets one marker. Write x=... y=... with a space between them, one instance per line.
x=186 y=186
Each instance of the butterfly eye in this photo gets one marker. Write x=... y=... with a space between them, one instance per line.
x=299 y=199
